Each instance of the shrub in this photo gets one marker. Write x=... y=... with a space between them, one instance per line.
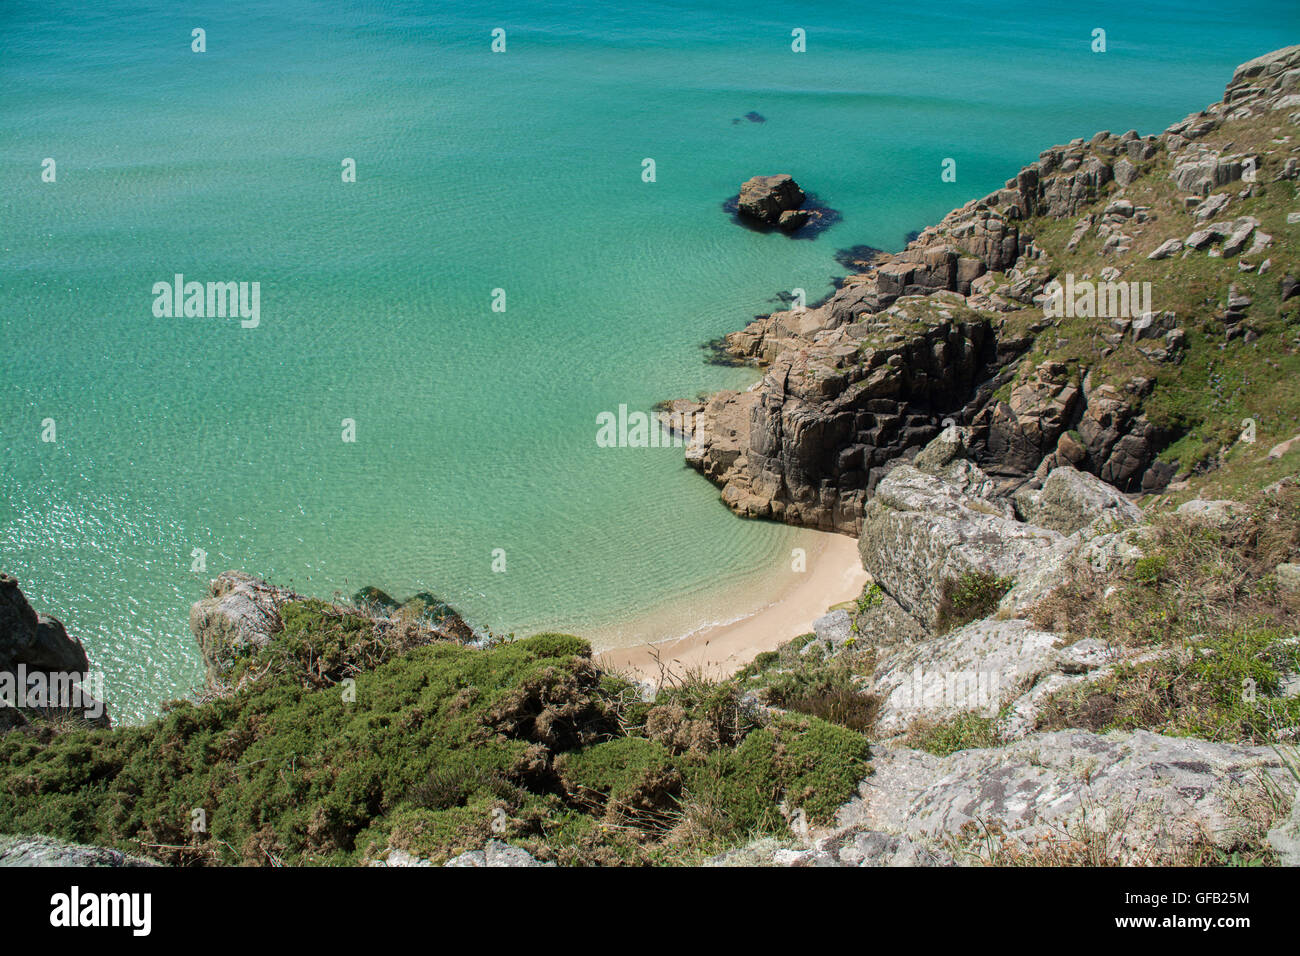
x=629 y=779
x=441 y=742
x=801 y=760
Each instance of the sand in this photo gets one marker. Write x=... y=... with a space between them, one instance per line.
x=834 y=574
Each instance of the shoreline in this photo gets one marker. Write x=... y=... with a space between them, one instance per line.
x=834 y=574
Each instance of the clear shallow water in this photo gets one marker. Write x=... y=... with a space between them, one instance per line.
x=475 y=429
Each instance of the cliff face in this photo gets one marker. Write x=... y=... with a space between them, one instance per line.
x=808 y=446
x=957 y=326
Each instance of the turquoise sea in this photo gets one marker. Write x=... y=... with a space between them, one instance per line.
x=476 y=171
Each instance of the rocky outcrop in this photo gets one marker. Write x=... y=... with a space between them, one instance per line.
x=1070 y=500
x=1167 y=793
x=975 y=668
x=46 y=851
x=921 y=530
x=927 y=530
x=811 y=443
x=1051 y=420
x=1067 y=796
x=38 y=646
x=870 y=376
x=497 y=854
x=37 y=640
x=876 y=621
x=1016 y=434
x=242 y=615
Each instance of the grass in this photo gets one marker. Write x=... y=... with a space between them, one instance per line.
x=1194 y=580
x=965 y=731
x=970 y=597
x=1226 y=688
x=1204 y=606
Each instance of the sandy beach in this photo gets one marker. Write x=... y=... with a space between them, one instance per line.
x=834 y=574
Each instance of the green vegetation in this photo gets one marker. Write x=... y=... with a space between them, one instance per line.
x=799 y=678
x=440 y=741
x=1204 y=602
x=965 y=731
x=817 y=765
x=872 y=596
x=1223 y=688
x=968 y=598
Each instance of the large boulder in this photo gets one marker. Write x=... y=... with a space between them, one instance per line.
x=880 y=620
x=1218 y=512
x=1068 y=796
x=1071 y=500
x=766 y=198
x=920 y=531
x=1145 y=795
x=976 y=668
x=497 y=854
x=948 y=447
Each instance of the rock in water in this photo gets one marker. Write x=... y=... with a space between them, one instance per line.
x=40 y=645
x=38 y=641
x=765 y=198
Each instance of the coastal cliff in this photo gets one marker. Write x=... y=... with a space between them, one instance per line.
x=958 y=327
x=1044 y=670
